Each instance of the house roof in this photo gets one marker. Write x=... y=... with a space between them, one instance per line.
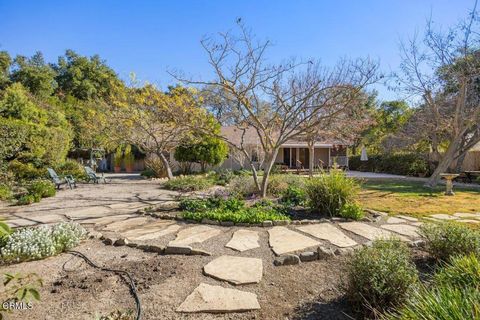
x=235 y=134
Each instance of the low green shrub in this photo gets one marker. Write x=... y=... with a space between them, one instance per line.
x=224 y=177
x=380 y=277
x=294 y=196
x=462 y=271
x=453 y=294
x=189 y=183
x=449 y=239
x=148 y=173
x=27 y=199
x=5 y=192
x=73 y=168
x=41 y=188
x=329 y=192
x=242 y=185
x=33 y=243
x=26 y=171
x=352 y=211
x=245 y=215
x=199 y=205
x=278 y=184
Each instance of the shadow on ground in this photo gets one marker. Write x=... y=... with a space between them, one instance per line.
x=326 y=310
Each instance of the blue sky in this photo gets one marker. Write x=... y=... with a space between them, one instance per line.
x=150 y=37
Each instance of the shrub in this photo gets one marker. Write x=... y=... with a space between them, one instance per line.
x=199 y=205
x=462 y=271
x=27 y=199
x=448 y=239
x=224 y=177
x=148 y=173
x=294 y=196
x=380 y=277
x=71 y=167
x=245 y=215
x=5 y=192
x=41 y=188
x=403 y=164
x=189 y=183
x=279 y=183
x=329 y=192
x=26 y=171
x=39 y=242
x=352 y=211
x=242 y=185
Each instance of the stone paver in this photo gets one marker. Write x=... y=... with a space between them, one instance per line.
x=236 y=270
x=88 y=213
x=243 y=240
x=124 y=225
x=46 y=218
x=368 y=231
x=468 y=221
x=216 y=299
x=392 y=220
x=412 y=219
x=195 y=234
x=443 y=216
x=328 y=232
x=467 y=215
x=108 y=219
x=417 y=224
x=283 y=240
x=16 y=223
x=151 y=232
x=403 y=229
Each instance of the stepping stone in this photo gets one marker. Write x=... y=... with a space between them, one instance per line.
x=46 y=218
x=368 y=231
x=417 y=224
x=123 y=225
x=328 y=232
x=403 y=229
x=236 y=270
x=467 y=215
x=442 y=216
x=123 y=205
x=412 y=219
x=18 y=223
x=151 y=233
x=395 y=220
x=216 y=299
x=469 y=221
x=243 y=240
x=90 y=212
x=195 y=234
x=107 y=219
x=283 y=240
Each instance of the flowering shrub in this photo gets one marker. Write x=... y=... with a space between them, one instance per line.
x=40 y=242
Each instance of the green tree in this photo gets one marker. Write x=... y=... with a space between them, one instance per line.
x=86 y=78
x=5 y=63
x=206 y=151
x=35 y=74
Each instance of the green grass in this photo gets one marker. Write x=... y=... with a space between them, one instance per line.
x=412 y=198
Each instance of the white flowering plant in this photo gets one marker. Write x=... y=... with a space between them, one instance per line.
x=33 y=243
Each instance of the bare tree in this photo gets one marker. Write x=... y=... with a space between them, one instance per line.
x=280 y=102
x=444 y=71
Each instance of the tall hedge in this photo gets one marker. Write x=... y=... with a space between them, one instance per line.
x=408 y=164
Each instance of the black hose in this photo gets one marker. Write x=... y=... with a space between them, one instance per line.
x=133 y=289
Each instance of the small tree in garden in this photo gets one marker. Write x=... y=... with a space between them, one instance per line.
x=444 y=70
x=207 y=151
x=157 y=122
x=279 y=102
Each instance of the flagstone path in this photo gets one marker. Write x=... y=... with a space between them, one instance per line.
x=111 y=210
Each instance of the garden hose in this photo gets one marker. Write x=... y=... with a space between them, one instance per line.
x=131 y=283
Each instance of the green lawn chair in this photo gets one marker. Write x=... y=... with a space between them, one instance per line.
x=92 y=176
x=59 y=181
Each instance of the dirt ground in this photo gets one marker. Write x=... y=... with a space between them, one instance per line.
x=74 y=290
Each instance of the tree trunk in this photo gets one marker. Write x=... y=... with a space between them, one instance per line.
x=444 y=164
x=269 y=161
x=460 y=160
x=255 y=176
x=166 y=164
x=311 y=151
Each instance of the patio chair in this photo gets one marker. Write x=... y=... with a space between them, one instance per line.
x=59 y=181
x=92 y=175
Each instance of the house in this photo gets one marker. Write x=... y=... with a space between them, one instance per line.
x=292 y=154
x=472 y=159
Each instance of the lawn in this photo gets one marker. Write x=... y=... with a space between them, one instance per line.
x=408 y=197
